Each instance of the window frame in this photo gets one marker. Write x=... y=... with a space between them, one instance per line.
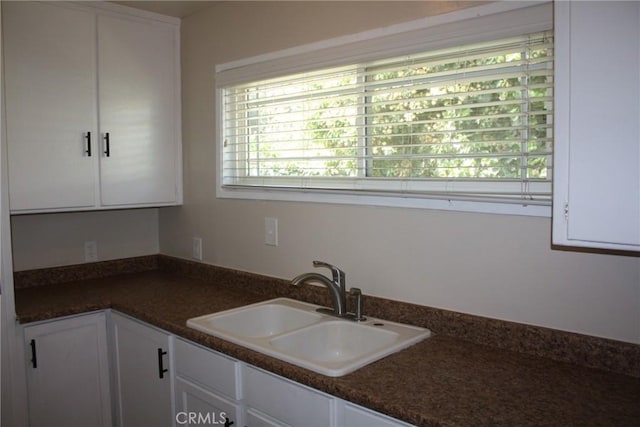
x=496 y=20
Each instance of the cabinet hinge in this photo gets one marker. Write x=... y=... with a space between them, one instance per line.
x=566 y=211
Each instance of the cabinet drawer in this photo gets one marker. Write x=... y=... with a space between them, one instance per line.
x=206 y=367
x=289 y=402
x=258 y=419
x=196 y=405
x=357 y=416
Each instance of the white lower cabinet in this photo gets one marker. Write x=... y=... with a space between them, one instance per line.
x=142 y=373
x=273 y=400
x=206 y=387
x=68 y=372
x=214 y=388
x=356 y=416
x=197 y=405
x=162 y=380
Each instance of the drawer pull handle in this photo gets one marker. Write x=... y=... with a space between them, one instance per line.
x=161 y=368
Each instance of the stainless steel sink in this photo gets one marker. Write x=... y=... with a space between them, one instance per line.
x=294 y=332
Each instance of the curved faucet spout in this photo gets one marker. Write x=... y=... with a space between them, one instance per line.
x=336 y=290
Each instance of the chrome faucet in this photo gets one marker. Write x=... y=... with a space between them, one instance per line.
x=337 y=287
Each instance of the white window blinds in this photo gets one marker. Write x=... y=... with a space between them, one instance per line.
x=456 y=109
x=471 y=122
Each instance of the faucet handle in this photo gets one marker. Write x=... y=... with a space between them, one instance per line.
x=357 y=293
x=338 y=275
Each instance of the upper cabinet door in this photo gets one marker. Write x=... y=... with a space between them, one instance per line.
x=50 y=93
x=139 y=110
x=597 y=125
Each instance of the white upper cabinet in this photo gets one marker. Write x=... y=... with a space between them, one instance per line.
x=597 y=125
x=93 y=107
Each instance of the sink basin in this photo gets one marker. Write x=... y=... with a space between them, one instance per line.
x=295 y=332
x=336 y=341
x=258 y=320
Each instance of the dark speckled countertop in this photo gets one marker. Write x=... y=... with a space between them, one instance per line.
x=443 y=381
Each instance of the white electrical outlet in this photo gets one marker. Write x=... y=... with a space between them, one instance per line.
x=90 y=251
x=196 y=252
x=271 y=231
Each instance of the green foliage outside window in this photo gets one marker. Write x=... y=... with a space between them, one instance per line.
x=486 y=116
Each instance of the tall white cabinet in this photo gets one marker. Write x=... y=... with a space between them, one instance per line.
x=92 y=106
x=597 y=125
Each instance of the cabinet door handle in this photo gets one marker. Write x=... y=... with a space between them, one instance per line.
x=34 y=360
x=161 y=368
x=88 y=138
x=107 y=151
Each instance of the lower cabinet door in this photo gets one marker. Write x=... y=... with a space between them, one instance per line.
x=198 y=406
x=68 y=372
x=143 y=374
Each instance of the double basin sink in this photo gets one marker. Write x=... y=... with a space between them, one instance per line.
x=295 y=332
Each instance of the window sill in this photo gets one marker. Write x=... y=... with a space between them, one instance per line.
x=397 y=201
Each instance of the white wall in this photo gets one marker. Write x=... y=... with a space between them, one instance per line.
x=50 y=240
x=490 y=265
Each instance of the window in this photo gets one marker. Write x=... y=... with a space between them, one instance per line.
x=467 y=122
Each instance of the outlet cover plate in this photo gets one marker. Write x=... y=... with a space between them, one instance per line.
x=91 y=251
x=271 y=231
x=197 y=248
